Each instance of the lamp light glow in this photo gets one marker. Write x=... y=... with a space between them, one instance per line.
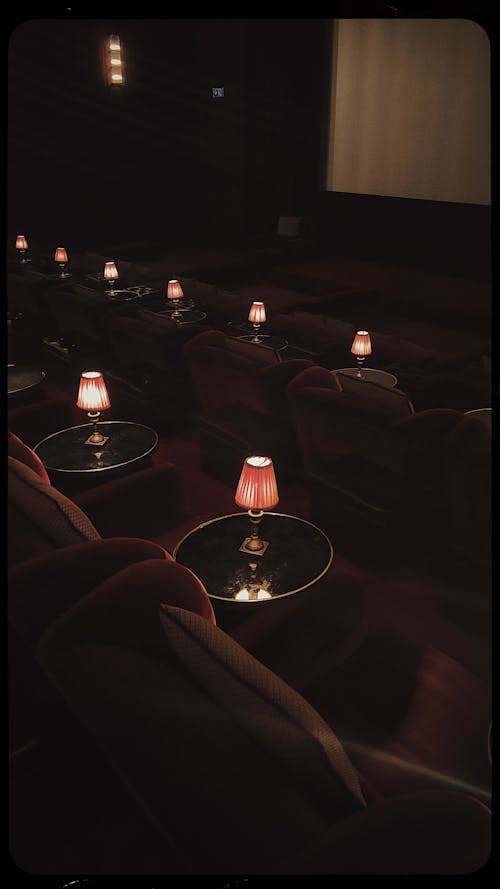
x=245 y=595
x=257 y=315
x=257 y=490
x=61 y=257
x=93 y=397
x=174 y=290
x=110 y=274
x=361 y=347
x=22 y=246
x=175 y=293
x=113 y=60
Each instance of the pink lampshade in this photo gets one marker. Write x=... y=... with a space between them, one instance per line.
x=92 y=392
x=21 y=243
x=257 y=313
x=60 y=255
x=174 y=290
x=257 y=488
x=361 y=345
x=110 y=272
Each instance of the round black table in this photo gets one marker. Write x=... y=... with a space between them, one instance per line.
x=371 y=375
x=187 y=316
x=481 y=413
x=22 y=377
x=276 y=343
x=66 y=456
x=245 y=331
x=297 y=556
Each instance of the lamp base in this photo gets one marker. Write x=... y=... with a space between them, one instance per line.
x=97 y=439
x=248 y=546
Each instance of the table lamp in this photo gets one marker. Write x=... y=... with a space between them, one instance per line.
x=256 y=491
x=93 y=397
x=361 y=347
x=257 y=315
x=111 y=275
x=175 y=295
x=22 y=246
x=61 y=257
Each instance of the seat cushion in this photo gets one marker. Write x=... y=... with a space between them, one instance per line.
x=40 y=517
x=277 y=718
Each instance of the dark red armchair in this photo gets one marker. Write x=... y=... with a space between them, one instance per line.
x=376 y=469
x=243 y=406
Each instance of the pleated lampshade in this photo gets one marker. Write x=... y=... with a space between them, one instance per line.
x=60 y=255
x=257 y=488
x=21 y=243
x=110 y=271
x=361 y=345
x=92 y=392
x=257 y=313
x=174 y=290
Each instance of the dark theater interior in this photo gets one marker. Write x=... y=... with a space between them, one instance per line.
x=250 y=395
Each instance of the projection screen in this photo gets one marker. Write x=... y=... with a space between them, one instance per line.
x=410 y=109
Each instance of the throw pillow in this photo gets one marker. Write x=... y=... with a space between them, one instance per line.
x=277 y=718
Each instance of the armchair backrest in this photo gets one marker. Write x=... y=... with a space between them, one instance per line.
x=332 y=423
x=221 y=376
x=228 y=371
x=468 y=472
x=40 y=518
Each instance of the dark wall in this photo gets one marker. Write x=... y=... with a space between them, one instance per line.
x=447 y=238
x=87 y=162
x=160 y=159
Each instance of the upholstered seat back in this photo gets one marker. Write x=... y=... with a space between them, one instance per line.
x=221 y=377
x=468 y=471
x=40 y=518
x=78 y=310
x=331 y=423
x=136 y=343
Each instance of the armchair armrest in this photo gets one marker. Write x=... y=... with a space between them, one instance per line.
x=35 y=421
x=44 y=587
x=123 y=610
x=144 y=504
x=428 y=832
x=421 y=439
x=274 y=380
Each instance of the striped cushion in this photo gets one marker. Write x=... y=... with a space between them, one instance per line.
x=277 y=718
x=46 y=509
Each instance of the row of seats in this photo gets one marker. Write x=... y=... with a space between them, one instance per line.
x=110 y=631
x=368 y=456
x=435 y=366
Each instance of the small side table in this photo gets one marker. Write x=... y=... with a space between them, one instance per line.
x=69 y=461
x=22 y=377
x=371 y=375
x=276 y=343
x=188 y=316
x=481 y=413
x=298 y=554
